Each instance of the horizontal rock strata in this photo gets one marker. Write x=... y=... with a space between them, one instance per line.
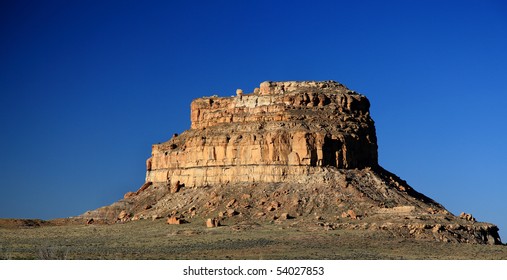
x=280 y=132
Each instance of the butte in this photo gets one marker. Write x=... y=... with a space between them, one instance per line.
x=300 y=154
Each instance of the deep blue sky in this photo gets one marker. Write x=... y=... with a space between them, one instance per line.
x=87 y=86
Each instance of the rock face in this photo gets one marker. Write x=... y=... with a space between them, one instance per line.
x=287 y=130
x=304 y=148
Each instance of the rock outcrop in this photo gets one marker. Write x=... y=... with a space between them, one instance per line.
x=281 y=133
x=304 y=148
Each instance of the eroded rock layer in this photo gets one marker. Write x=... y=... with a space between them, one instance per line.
x=280 y=132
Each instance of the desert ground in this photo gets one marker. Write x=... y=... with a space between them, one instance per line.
x=146 y=239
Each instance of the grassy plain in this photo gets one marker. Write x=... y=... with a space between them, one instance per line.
x=156 y=240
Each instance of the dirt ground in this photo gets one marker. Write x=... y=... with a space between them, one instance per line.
x=147 y=239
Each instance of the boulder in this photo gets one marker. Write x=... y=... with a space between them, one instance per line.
x=274 y=205
x=285 y=216
x=175 y=187
x=230 y=203
x=124 y=216
x=173 y=220
x=352 y=214
x=467 y=217
x=129 y=195
x=212 y=222
x=144 y=187
x=231 y=212
x=239 y=92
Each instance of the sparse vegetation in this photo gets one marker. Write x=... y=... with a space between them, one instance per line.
x=4 y=253
x=156 y=240
x=53 y=253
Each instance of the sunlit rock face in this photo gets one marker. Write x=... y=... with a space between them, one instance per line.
x=279 y=132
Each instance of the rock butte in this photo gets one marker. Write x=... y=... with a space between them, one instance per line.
x=299 y=153
x=279 y=133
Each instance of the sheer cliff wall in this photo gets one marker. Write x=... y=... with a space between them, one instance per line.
x=280 y=132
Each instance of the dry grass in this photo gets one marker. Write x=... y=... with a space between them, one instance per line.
x=156 y=240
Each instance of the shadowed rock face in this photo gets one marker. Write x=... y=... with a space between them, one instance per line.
x=305 y=150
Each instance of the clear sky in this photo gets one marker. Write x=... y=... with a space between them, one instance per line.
x=87 y=86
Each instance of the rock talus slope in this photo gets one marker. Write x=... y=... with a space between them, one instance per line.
x=295 y=153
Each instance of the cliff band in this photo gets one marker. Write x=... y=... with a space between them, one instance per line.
x=280 y=132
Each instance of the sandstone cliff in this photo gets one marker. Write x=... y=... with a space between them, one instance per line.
x=280 y=132
x=299 y=151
